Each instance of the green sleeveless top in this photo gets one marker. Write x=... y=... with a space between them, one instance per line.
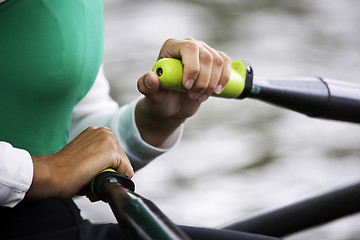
x=50 y=52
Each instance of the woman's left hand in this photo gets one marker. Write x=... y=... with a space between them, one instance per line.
x=206 y=71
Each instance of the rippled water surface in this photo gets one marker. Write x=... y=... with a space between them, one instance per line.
x=238 y=158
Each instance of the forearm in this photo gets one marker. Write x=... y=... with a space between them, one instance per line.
x=42 y=185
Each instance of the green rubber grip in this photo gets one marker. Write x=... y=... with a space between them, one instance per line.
x=170 y=72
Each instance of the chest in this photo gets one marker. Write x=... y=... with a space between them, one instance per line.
x=50 y=47
x=50 y=53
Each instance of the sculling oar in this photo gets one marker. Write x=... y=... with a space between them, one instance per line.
x=313 y=96
x=304 y=214
x=136 y=215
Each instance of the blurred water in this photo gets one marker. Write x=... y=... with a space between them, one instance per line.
x=238 y=158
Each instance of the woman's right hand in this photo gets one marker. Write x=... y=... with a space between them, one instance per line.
x=67 y=172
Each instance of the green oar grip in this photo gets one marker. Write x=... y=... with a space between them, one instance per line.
x=170 y=72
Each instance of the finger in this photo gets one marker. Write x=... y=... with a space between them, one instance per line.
x=148 y=84
x=110 y=145
x=189 y=52
x=217 y=67
x=170 y=49
x=197 y=92
x=225 y=74
x=125 y=166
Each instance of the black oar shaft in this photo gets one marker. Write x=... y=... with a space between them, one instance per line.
x=304 y=214
x=315 y=97
x=137 y=216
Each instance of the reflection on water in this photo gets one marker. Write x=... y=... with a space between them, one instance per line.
x=241 y=157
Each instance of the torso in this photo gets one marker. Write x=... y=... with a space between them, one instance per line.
x=50 y=52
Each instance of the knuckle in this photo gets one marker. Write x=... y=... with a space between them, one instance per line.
x=226 y=58
x=203 y=43
x=109 y=142
x=211 y=88
x=193 y=71
x=205 y=57
x=116 y=158
x=224 y=79
x=169 y=40
x=190 y=44
x=104 y=129
x=225 y=76
x=190 y=39
x=90 y=128
x=218 y=61
x=201 y=85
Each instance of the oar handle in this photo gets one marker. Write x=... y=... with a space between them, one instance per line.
x=313 y=96
x=170 y=72
x=137 y=216
x=110 y=175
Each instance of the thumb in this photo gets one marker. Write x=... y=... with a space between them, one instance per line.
x=148 y=84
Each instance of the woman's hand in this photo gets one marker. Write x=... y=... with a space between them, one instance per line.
x=206 y=71
x=69 y=171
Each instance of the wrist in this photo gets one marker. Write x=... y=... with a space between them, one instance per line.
x=43 y=184
x=155 y=128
